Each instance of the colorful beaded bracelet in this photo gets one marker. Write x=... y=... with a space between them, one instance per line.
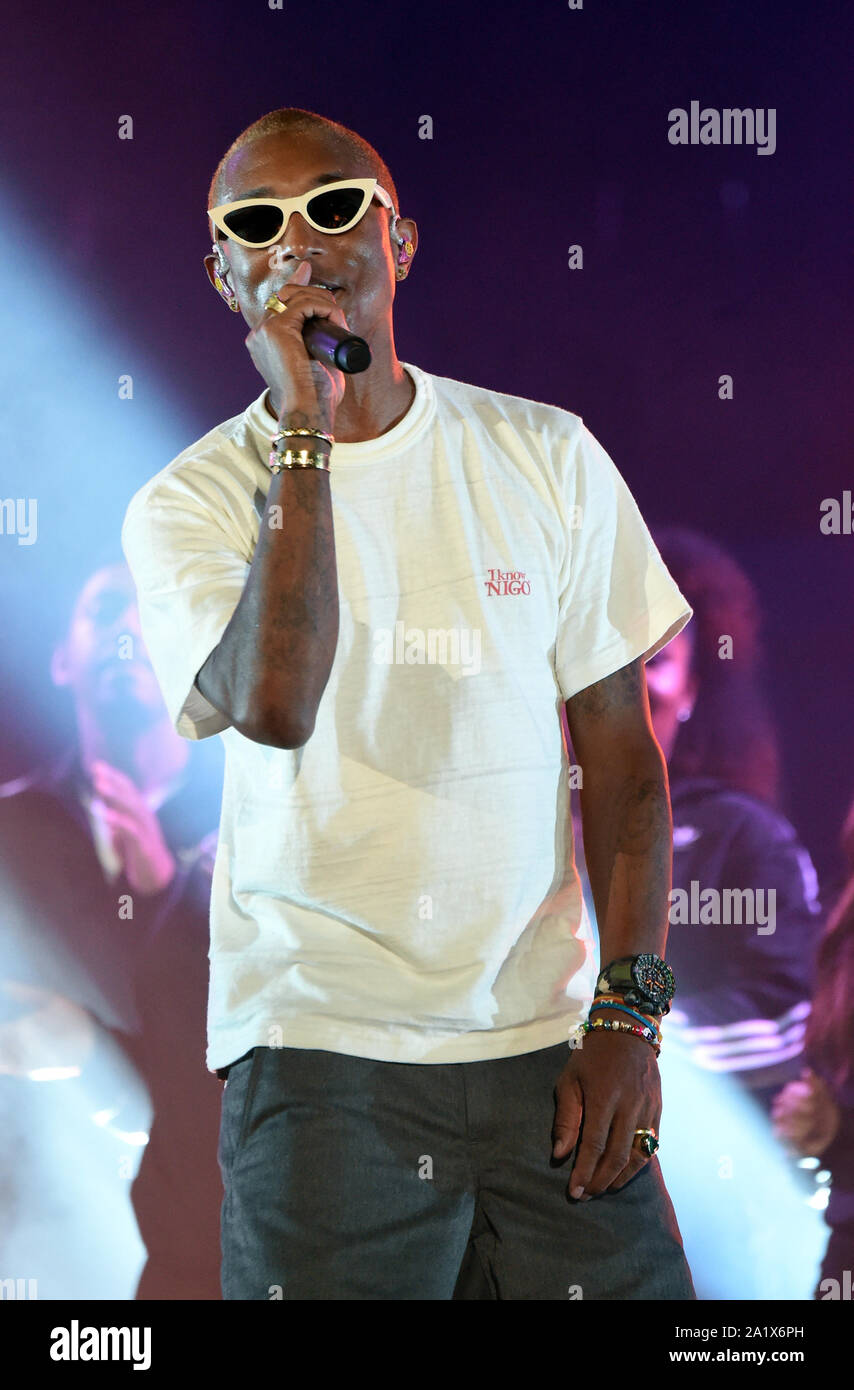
x=612 y=1025
x=647 y=1022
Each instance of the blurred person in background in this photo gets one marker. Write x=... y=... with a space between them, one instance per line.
x=815 y=1114
x=106 y=860
x=736 y=1031
x=743 y=993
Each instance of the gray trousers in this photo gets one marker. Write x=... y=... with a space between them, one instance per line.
x=349 y=1178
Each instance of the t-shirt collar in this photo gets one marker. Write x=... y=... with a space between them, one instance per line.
x=385 y=446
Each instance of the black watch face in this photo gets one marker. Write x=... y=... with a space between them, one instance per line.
x=654 y=978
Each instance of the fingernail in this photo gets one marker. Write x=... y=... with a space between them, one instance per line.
x=576 y=1192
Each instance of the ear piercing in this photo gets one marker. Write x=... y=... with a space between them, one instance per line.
x=404 y=255
x=227 y=294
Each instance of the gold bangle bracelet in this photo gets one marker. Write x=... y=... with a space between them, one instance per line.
x=314 y=434
x=297 y=458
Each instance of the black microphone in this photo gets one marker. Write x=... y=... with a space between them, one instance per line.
x=335 y=346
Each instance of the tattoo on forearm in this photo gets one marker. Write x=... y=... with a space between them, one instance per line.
x=642 y=816
x=628 y=845
x=614 y=692
x=643 y=834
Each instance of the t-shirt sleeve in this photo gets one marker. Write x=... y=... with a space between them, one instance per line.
x=189 y=573
x=617 y=599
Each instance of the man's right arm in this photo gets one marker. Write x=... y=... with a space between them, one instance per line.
x=270 y=668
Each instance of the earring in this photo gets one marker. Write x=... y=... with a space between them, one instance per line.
x=404 y=255
x=684 y=714
x=227 y=294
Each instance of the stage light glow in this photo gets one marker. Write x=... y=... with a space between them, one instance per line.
x=90 y=416
x=76 y=445
x=53 y=1074
x=749 y=1213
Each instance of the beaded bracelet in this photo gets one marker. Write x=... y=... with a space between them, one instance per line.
x=642 y=1029
x=643 y=1019
x=612 y=1025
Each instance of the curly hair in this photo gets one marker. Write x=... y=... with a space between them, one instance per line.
x=730 y=734
x=292 y=120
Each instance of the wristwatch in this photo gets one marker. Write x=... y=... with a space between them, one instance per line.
x=644 y=980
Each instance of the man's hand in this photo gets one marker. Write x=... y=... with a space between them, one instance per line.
x=307 y=392
x=137 y=838
x=609 y=1088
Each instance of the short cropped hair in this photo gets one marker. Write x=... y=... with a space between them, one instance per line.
x=291 y=120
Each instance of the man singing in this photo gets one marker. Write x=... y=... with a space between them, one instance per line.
x=380 y=589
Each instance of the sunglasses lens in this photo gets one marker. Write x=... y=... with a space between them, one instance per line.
x=259 y=223
x=336 y=209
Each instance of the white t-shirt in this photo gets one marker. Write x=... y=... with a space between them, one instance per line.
x=403 y=886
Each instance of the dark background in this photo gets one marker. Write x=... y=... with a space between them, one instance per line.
x=550 y=128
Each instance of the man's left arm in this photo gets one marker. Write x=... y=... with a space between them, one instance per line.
x=610 y=1086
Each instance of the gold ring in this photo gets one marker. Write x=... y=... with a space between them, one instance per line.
x=275 y=303
x=648 y=1141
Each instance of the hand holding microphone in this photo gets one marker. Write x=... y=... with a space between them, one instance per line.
x=329 y=343
x=309 y=387
x=335 y=346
